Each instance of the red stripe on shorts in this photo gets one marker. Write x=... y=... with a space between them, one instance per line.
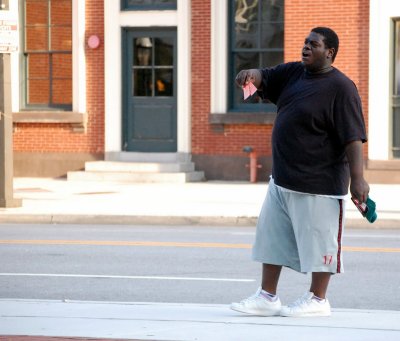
x=339 y=238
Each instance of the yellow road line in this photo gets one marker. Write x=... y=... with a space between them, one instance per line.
x=169 y=244
x=370 y=249
x=126 y=243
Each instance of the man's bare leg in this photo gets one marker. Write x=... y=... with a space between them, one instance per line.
x=319 y=283
x=270 y=277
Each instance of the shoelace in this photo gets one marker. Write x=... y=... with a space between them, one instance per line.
x=251 y=297
x=300 y=301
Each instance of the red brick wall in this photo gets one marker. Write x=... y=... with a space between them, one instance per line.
x=201 y=59
x=349 y=18
x=45 y=137
x=204 y=140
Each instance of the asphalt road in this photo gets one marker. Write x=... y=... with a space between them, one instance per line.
x=193 y=264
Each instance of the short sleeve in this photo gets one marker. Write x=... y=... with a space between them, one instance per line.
x=275 y=78
x=348 y=115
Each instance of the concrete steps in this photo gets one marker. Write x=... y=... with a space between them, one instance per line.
x=139 y=167
x=144 y=172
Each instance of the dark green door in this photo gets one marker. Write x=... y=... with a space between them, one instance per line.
x=150 y=117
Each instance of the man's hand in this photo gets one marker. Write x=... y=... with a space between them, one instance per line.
x=359 y=188
x=244 y=77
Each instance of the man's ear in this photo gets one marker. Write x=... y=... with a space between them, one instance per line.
x=331 y=52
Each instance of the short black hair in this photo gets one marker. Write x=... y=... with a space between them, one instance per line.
x=331 y=39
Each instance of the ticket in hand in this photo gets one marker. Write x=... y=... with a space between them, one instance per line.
x=248 y=90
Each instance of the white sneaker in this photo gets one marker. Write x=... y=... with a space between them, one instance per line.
x=307 y=305
x=258 y=305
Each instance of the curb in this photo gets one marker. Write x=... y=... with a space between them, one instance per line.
x=126 y=220
x=166 y=220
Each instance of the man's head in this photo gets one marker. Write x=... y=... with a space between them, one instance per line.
x=331 y=39
x=320 y=49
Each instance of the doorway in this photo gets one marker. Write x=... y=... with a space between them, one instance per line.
x=149 y=90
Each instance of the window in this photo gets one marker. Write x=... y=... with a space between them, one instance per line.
x=256 y=42
x=153 y=66
x=148 y=4
x=396 y=92
x=47 y=54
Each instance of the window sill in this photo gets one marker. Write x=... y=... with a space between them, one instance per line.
x=393 y=165
x=77 y=120
x=242 y=118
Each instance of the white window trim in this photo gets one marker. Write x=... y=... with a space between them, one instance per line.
x=219 y=56
x=380 y=69
x=15 y=63
x=78 y=61
x=78 y=56
x=114 y=21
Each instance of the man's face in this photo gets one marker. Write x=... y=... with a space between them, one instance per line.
x=315 y=56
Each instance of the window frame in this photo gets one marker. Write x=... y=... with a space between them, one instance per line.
x=153 y=66
x=24 y=105
x=160 y=7
x=243 y=107
x=395 y=93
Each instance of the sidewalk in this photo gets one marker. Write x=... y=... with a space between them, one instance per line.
x=47 y=200
x=207 y=203
x=161 y=321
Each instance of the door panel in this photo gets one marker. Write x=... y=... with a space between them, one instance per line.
x=162 y=118
x=150 y=117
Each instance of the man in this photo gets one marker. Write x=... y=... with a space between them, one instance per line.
x=316 y=148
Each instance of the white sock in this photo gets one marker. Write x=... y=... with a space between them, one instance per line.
x=268 y=296
x=319 y=299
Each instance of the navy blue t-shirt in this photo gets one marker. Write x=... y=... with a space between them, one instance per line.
x=317 y=116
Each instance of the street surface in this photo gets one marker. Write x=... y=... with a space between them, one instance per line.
x=192 y=264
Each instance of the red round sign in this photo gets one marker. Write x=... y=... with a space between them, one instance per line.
x=94 y=42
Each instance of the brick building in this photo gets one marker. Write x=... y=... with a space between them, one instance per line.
x=115 y=80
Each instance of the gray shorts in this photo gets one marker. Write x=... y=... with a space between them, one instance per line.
x=300 y=231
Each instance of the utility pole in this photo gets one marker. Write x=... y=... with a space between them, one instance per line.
x=6 y=136
x=8 y=43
